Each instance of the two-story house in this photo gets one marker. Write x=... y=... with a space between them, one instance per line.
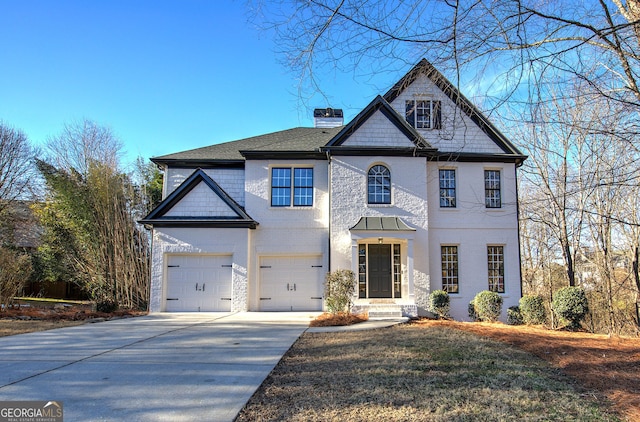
x=416 y=193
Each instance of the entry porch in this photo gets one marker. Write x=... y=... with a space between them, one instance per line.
x=382 y=260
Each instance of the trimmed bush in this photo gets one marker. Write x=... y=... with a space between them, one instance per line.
x=488 y=305
x=532 y=310
x=514 y=316
x=339 y=287
x=107 y=306
x=571 y=305
x=439 y=303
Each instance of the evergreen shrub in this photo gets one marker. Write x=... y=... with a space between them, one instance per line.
x=571 y=305
x=488 y=305
x=532 y=310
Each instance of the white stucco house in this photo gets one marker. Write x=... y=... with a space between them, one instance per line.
x=416 y=193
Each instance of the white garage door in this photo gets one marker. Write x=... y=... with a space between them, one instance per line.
x=198 y=283
x=291 y=283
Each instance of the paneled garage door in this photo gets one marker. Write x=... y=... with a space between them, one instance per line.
x=291 y=283
x=198 y=283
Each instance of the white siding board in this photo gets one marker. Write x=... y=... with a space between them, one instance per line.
x=202 y=201
x=230 y=180
x=378 y=131
x=459 y=133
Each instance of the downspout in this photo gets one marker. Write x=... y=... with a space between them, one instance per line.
x=329 y=215
x=515 y=171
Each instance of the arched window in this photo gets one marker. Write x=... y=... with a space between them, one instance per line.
x=379 y=185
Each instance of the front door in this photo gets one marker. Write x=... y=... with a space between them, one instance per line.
x=380 y=281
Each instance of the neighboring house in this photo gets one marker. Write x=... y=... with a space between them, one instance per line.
x=19 y=227
x=416 y=193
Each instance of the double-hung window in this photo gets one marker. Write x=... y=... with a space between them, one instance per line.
x=379 y=185
x=495 y=262
x=447 y=188
x=492 y=195
x=424 y=114
x=286 y=189
x=449 y=259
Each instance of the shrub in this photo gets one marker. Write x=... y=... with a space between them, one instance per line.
x=488 y=305
x=15 y=269
x=107 y=306
x=514 y=316
x=570 y=304
x=339 y=287
x=439 y=303
x=532 y=310
x=473 y=315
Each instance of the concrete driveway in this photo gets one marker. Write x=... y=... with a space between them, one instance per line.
x=161 y=367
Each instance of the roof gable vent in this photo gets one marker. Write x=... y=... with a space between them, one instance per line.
x=328 y=117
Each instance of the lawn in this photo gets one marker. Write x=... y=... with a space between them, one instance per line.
x=425 y=372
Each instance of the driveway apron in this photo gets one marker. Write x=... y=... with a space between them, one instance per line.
x=161 y=367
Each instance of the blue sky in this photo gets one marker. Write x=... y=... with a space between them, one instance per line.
x=165 y=76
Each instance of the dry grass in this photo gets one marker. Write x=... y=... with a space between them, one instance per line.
x=417 y=372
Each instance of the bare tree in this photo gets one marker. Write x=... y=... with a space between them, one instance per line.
x=581 y=184
x=82 y=143
x=16 y=165
x=519 y=44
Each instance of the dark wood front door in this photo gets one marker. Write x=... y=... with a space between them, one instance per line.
x=379 y=271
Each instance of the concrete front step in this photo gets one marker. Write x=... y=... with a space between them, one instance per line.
x=386 y=310
x=385 y=314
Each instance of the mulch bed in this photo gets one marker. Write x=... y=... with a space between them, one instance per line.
x=71 y=313
x=342 y=318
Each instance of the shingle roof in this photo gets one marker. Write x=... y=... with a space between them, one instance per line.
x=302 y=139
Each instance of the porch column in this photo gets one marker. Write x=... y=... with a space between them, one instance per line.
x=354 y=266
x=412 y=293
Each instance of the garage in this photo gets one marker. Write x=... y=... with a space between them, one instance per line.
x=198 y=283
x=292 y=283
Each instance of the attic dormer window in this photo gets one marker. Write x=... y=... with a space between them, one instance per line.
x=424 y=114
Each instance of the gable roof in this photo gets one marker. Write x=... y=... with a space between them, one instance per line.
x=297 y=140
x=158 y=217
x=425 y=68
x=379 y=104
x=315 y=143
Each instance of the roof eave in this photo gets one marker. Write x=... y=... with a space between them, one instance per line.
x=198 y=162
x=373 y=151
x=199 y=222
x=260 y=155
x=473 y=157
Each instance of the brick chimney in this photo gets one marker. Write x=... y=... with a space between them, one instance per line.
x=328 y=117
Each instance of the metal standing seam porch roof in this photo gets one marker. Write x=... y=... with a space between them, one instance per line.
x=381 y=224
